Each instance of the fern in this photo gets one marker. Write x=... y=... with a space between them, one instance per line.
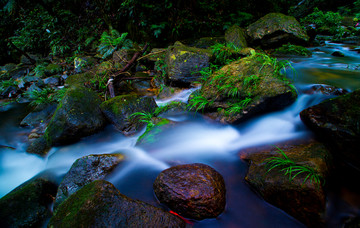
x=111 y=42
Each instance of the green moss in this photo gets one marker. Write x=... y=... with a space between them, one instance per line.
x=52 y=69
x=290 y=49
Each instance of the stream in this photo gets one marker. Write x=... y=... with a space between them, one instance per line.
x=195 y=140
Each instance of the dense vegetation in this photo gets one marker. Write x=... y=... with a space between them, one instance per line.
x=68 y=28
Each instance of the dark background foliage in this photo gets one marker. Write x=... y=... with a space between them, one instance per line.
x=60 y=27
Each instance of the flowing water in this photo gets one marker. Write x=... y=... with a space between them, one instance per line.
x=193 y=140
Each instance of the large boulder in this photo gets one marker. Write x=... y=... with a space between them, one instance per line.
x=302 y=197
x=243 y=89
x=42 y=113
x=100 y=204
x=336 y=122
x=184 y=63
x=194 y=191
x=119 y=109
x=78 y=114
x=84 y=171
x=276 y=29
x=29 y=204
x=236 y=36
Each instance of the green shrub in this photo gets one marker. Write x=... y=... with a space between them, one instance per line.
x=224 y=53
x=328 y=21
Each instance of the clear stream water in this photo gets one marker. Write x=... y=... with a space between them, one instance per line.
x=197 y=140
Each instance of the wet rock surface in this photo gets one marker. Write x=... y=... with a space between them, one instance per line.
x=29 y=204
x=335 y=121
x=119 y=109
x=194 y=191
x=100 y=204
x=84 y=171
x=300 y=197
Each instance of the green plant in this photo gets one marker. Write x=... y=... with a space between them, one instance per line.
x=329 y=21
x=292 y=168
x=251 y=80
x=39 y=70
x=7 y=83
x=198 y=102
x=45 y=96
x=145 y=117
x=239 y=107
x=224 y=53
x=110 y=42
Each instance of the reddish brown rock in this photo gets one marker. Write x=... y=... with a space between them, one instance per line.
x=194 y=191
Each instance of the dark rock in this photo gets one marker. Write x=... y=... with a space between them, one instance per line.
x=29 y=204
x=335 y=121
x=119 y=109
x=18 y=72
x=276 y=29
x=25 y=60
x=100 y=204
x=326 y=90
x=51 y=81
x=77 y=115
x=83 y=63
x=338 y=54
x=194 y=191
x=39 y=146
x=41 y=114
x=303 y=199
x=352 y=222
x=84 y=171
x=236 y=36
x=184 y=63
x=243 y=89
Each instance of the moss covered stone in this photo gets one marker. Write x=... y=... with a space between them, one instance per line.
x=78 y=114
x=52 y=69
x=243 y=89
x=236 y=36
x=119 y=109
x=100 y=204
x=276 y=29
x=29 y=204
x=183 y=63
x=80 y=79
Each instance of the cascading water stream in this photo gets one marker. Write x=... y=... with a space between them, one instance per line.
x=194 y=139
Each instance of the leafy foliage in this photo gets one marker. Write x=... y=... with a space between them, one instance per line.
x=45 y=96
x=4 y=84
x=293 y=169
x=224 y=53
x=110 y=42
x=328 y=21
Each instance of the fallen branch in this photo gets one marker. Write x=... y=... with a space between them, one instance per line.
x=113 y=78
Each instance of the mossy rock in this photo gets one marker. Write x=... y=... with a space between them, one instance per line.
x=100 y=204
x=204 y=42
x=85 y=170
x=29 y=204
x=153 y=134
x=183 y=63
x=52 y=69
x=276 y=29
x=292 y=50
x=77 y=115
x=236 y=36
x=243 y=89
x=80 y=79
x=301 y=197
x=119 y=109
